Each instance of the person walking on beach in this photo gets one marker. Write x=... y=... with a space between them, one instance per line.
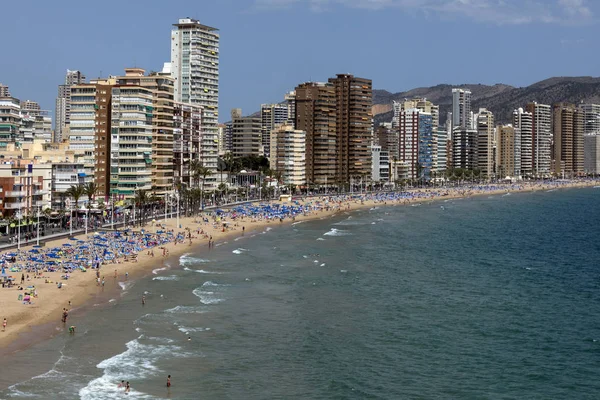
x=169 y=381
x=4 y=325
x=127 y=387
x=143 y=300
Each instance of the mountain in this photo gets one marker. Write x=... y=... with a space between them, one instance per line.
x=499 y=98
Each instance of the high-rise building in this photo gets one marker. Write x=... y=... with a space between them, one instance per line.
x=10 y=120
x=417 y=142
x=461 y=108
x=290 y=102
x=89 y=129
x=162 y=87
x=36 y=125
x=464 y=144
x=592 y=153
x=222 y=129
x=508 y=154
x=442 y=150
x=523 y=124
x=131 y=142
x=187 y=135
x=288 y=154
x=195 y=68
x=486 y=143
x=380 y=167
x=387 y=137
x=353 y=102
x=315 y=115
x=568 y=139
x=271 y=115
x=246 y=136
x=591 y=118
x=541 y=140
x=421 y=104
x=63 y=103
x=4 y=91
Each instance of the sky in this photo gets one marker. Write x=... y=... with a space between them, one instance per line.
x=270 y=46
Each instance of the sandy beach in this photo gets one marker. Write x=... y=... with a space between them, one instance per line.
x=82 y=287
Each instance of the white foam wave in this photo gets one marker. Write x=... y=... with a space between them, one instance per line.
x=166 y=278
x=138 y=362
x=157 y=270
x=201 y=271
x=186 y=259
x=125 y=285
x=186 y=329
x=184 y=310
x=337 y=232
x=239 y=251
x=320 y=239
x=213 y=284
x=299 y=222
x=206 y=297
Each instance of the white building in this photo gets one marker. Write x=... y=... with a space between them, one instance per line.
x=288 y=154
x=542 y=138
x=523 y=124
x=591 y=151
x=380 y=167
x=63 y=104
x=486 y=142
x=195 y=68
x=591 y=117
x=271 y=115
x=461 y=108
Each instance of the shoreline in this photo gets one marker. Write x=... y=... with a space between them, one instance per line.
x=32 y=324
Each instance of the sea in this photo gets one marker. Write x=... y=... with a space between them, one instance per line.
x=490 y=297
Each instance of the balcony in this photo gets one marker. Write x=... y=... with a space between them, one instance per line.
x=39 y=192
x=12 y=193
x=14 y=206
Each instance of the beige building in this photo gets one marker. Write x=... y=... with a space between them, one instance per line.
x=508 y=152
x=592 y=153
x=568 y=139
x=288 y=154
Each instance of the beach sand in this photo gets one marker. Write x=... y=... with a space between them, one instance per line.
x=82 y=288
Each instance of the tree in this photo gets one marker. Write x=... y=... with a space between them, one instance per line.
x=75 y=192
x=141 y=198
x=200 y=172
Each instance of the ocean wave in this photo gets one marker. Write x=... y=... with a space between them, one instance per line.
x=299 y=222
x=186 y=259
x=213 y=284
x=125 y=285
x=184 y=310
x=320 y=239
x=187 y=329
x=239 y=251
x=157 y=270
x=337 y=232
x=206 y=297
x=138 y=362
x=166 y=278
x=201 y=271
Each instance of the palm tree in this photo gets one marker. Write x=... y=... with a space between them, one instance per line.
x=200 y=172
x=141 y=198
x=75 y=192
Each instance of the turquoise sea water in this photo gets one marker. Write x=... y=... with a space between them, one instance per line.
x=482 y=298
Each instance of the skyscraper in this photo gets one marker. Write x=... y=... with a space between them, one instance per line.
x=353 y=102
x=592 y=153
x=461 y=108
x=246 y=135
x=541 y=132
x=486 y=142
x=417 y=142
x=508 y=151
x=288 y=154
x=4 y=91
x=195 y=68
x=315 y=115
x=290 y=102
x=568 y=139
x=523 y=124
x=591 y=118
x=63 y=103
x=271 y=115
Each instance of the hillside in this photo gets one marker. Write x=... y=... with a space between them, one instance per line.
x=500 y=99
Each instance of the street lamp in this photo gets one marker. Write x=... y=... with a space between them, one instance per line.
x=19 y=229
x=38 y=225
x=177 y=198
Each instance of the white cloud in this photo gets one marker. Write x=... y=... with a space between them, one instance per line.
x=501 y=12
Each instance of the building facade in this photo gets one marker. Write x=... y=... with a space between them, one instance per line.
x=568 y=130
x=288 y=154
x=486 y=143
x=592 y=153
x=353 y=102
x=62 y=108
x=271 y=115
x=461 y=109
x=187 y=135
x=195 y=69
x=508 y=159
x=541 y=138
x=315 y=115
x=246 y=137
x=523 y=124
x=464 y=143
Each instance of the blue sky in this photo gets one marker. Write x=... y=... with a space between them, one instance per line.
x=269 y=46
